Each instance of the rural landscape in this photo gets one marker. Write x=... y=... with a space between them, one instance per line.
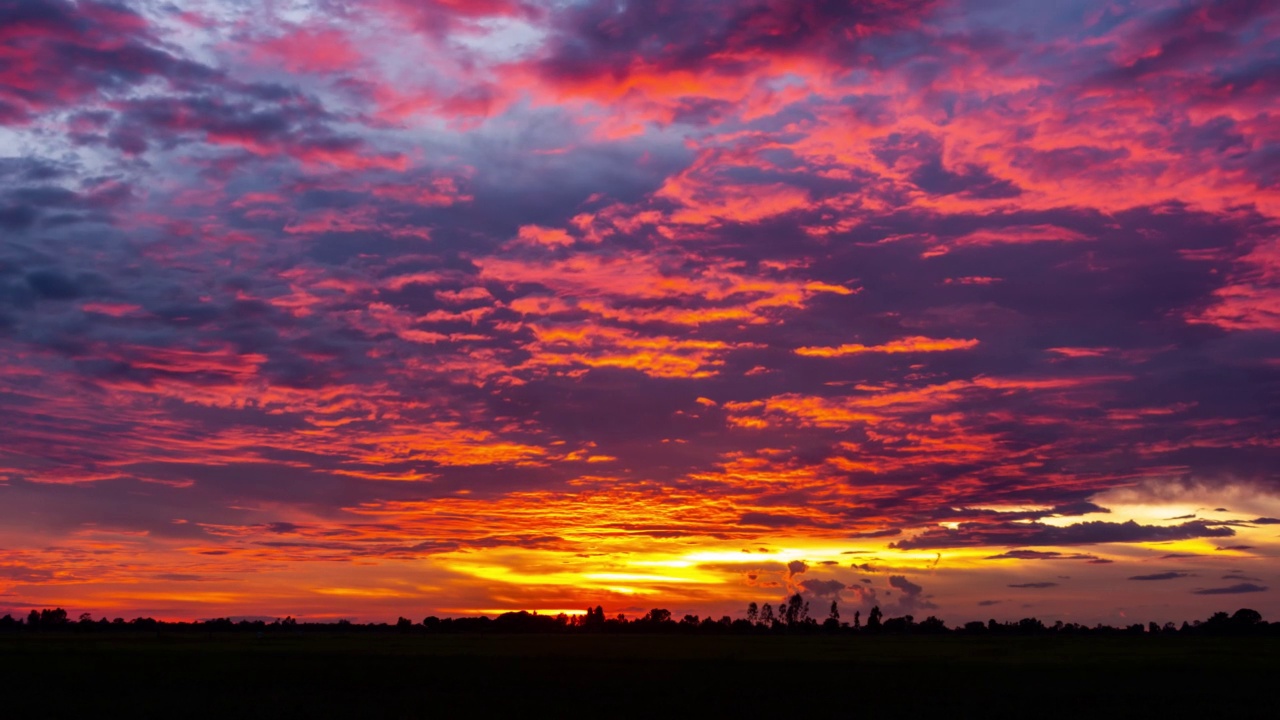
x=592 y=666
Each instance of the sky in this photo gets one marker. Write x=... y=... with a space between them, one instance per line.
x=338 y=309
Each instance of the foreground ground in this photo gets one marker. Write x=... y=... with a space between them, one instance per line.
x=389 y=675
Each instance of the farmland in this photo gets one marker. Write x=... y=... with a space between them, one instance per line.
x=399 y=675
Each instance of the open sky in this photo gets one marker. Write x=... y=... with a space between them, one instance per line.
x=408 y=307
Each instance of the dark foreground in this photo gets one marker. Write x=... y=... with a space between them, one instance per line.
x=243 y=676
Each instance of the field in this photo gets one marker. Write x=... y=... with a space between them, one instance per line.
x=392 y=675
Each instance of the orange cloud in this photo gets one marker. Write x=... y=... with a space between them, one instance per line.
x=903 y=345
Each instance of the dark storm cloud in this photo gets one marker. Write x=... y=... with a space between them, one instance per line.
x=259 y=119
x=28 y=202
x=97 y=48
x=602 y=39
x=1183 y=40
x=53 y=285
x=17 y=217
x=974 y=181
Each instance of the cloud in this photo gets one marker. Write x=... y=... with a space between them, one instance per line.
x=1034 y=585
x=823 y=588
x=1077 y=534
x=1237 y=589
x=102 y=48
x=1079 y=508
x=887 y=532
x=904 y=345
x=906 y=586
x=911 y=598
x=1046 y=555
x=773 y=520
x=1161 y=576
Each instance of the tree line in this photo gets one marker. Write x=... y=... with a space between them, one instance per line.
x=792 y=616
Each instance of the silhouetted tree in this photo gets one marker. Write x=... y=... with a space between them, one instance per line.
x=1246 y=619
x=873 y=619
x=832 y=623
x=1031 y=626
x=796 y=611
x=932 y=625
x=47 y=618
x=793 y=614
x=657 y=616
x=766 y=615
x=1217 y=622
x=903 y=624
x=594 y=618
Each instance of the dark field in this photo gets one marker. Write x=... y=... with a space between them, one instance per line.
x=392 y=675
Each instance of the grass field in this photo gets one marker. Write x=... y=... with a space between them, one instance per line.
x=389 y=675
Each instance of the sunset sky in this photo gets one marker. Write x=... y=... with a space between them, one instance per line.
x=967 y=308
